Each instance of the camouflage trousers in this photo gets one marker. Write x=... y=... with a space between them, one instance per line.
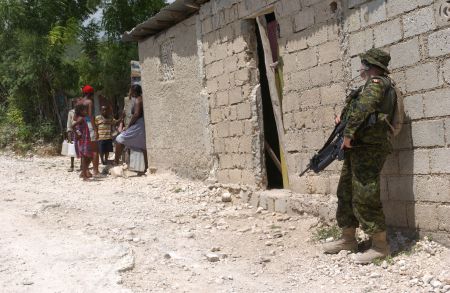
x=358 y=191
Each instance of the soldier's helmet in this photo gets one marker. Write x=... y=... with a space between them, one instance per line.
x=377 y=57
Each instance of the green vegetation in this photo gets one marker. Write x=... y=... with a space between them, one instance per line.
x=327 y=232
x=50 y=48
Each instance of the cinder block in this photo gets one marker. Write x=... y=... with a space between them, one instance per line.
x=295 y=43
x=216 y=115
x=235 y=95
x=310 y=98
x=413 y=106
x=222 y=98
x=396 y=7
x=439 y=43
x=361 y=41
x=317 y=35
x=400 y=80
x=323 y=13
x=225 y=161
x=289 y=63
x=419 y=22
x=318 y=185
x=354 y=3
x=214 y=69
x=212 y=85
x=313 y=140
x=241 y=77
x=281 y=204
x=231 y=64
x=395 y=213
x=223 y=82
x=373 y=12
x=447 y=131
x=329 y=52
x=300 y=80
x=307 y=58
x=337 y=71
x=428 y=133
x=320 y=75
x=219 y=145
x=444 y=218
x=304 y=19
x=423 y=216
x=223 y=176
x=222 y=129
x=244 y=111
x=432 y=188
x=287 y=7
x=421 y=77
x=387 y=33
x=440 y=160
x=245 y=144
x=235 y=176
x=333 y=94
x=231 y=114
x=353 y=20
x=446 y=70
x=405 y=54
x=437 y=103
x=248 y=177
x=291 y=102
x=401 y=188
x=414 y=162
x=236 y=128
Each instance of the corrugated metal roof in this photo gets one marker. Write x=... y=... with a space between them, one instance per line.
x=167 y=17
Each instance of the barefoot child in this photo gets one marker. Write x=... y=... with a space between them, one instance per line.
x=82 y=139
x=104 y=123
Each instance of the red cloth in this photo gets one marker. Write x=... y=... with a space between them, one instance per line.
x=83 y=142
x=87 y=89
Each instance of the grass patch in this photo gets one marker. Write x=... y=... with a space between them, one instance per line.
x=327 y=232
x=177 y=190
x=379 y=261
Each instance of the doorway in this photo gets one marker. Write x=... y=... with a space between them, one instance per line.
x=266 y=30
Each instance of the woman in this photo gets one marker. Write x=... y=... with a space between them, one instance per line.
x=133 y=135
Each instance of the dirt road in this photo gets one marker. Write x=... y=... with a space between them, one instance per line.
x=160 y=233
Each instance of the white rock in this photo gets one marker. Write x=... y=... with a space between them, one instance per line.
x=212 y=257
x=329 y=239
x=226 y=197
x=427 y=278
x=435 y=283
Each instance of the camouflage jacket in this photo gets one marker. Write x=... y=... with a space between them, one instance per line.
x=358 y=110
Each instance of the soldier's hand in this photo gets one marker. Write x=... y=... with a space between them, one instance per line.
x=347 y=143
x=337 y=120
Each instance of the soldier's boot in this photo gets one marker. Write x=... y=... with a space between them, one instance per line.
x=380 y=249
x=346 y=242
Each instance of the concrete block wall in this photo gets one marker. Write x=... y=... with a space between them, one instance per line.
x=416 y=178
x=319 y=43
x=231 y=84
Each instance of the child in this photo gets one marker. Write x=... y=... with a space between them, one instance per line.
x=104 y=124
x=82 y=140
x=69 y=131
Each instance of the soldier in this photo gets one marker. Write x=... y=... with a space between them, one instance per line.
x=367 y=145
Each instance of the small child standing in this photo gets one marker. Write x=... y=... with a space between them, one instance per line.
x=82 y=140
x=104 y=124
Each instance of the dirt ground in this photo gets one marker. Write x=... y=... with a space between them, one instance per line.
x=160 y=233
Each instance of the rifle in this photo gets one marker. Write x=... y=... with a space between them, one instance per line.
x=332 y=147
x=329 y=152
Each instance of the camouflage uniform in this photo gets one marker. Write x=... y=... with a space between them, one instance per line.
x=359 y=185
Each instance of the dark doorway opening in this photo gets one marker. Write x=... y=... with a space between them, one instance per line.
x=271 y=140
